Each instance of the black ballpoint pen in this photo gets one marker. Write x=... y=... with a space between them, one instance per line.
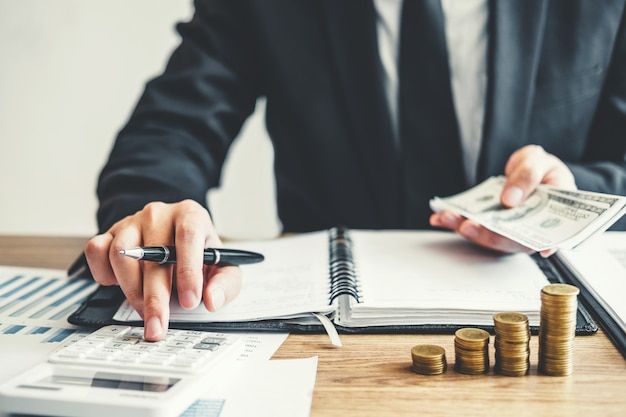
x=212 y=256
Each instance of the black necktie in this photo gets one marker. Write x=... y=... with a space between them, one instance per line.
x=428 y=126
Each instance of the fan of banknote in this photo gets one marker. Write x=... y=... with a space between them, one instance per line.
x=550 y=218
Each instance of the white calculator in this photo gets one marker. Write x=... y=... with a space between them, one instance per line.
x=113 y=372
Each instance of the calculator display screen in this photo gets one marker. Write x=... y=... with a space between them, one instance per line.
x=112 y=380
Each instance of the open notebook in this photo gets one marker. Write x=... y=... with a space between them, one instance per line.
x=374 y=279
x=599 y=270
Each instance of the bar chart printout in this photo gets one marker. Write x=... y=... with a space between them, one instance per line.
x=36 y=302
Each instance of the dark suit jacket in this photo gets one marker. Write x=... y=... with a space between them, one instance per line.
x=557 y=78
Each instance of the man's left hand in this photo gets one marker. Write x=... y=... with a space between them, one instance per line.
x=525 y=170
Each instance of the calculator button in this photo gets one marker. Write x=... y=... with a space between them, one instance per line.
x=182 y=365
x=171 y=350
x=133 y=354
x=206 y=346
x=214 y=340
x=190 y=339
x=141 y=348
x=198 y=360
x=96 y=355
x=160 y=354
x=129 y=340
x=194 y=354
x=175 y=344
x=193 y=333
x=70 y=354
x=116 y=345
x=88 y=343
x=112 y=330
x=153 y=361
x=150 y=344
x=135 y=332
x=99 y=337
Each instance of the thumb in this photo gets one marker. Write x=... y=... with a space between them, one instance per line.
x=523 y=181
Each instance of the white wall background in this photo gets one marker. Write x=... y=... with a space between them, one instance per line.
x=70 y=73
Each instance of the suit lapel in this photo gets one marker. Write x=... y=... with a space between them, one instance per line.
x=353 y=42
x=516 y=33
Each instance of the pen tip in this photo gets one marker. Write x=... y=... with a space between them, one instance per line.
x=122 y=252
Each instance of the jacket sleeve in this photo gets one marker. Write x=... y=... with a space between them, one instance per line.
x=604 y=167
x=175 y=142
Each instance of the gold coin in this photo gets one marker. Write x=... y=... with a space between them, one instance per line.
x=510 y=318
x=429 y=359
x=559 y=290
x=424 y=371
x=557 y=329
x=511 y=343
x=472 y=371
x=471 y=351
x=470 y=334
x=427 y=351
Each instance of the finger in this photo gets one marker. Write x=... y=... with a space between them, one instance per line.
x=214 y=292
x=222 y=286
x=127 y=271
x=434 y=220
x=97 y=254
x=157 y=227
x=524 y=179
x=449 y=219
x=488 y=239
x=528 y=151
x=191 y=229
x=157 y=289
x=560 y=176
x=547 y=253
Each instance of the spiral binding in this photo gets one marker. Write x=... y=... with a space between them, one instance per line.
x=343 y=278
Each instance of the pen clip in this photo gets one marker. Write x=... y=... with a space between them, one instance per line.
x=166 y=255
x=217 y=255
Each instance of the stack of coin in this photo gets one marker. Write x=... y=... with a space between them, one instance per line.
x=471 y=348
x=557 y=331
x=512 y=339
x=429 y=359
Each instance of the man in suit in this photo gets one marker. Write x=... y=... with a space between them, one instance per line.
x=373 y=107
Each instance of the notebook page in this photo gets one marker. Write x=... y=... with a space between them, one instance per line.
x=292 y=280
x=404 y=271
x=601 y=267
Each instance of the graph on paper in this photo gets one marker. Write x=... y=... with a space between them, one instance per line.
x=36 y=302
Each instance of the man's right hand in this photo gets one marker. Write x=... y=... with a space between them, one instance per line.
x=148 y=285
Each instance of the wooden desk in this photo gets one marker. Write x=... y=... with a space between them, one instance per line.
x=370 y=375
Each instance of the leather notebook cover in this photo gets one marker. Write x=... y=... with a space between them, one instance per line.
x=98 y=310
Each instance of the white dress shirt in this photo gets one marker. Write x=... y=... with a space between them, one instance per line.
x=466 y=38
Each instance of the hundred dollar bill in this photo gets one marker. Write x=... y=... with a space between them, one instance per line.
x=605 y=200
x=549 y=218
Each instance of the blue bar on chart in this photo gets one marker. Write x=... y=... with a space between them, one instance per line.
x=26 y=295
x=204 y=408
x=14 y=329
x=20 y=287
x=60 y=301
x=60 y=336
x=39 y=330
x=41 y=300
x=10 y=281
